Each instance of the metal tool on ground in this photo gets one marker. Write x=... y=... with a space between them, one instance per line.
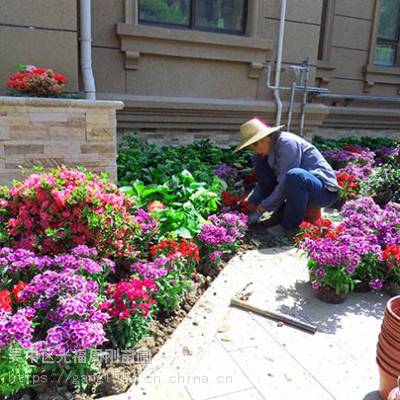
x=273 y=315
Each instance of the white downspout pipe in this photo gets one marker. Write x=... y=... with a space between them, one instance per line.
x=86 y=50
x=279 y=62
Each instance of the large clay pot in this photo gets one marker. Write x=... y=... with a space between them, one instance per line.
x=329 y=295
x=390 y=361
x=386 y=381
x=388 y=348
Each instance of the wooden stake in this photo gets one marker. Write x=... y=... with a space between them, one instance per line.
x=275 y=316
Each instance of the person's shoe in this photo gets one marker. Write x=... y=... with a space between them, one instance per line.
x=274 y=219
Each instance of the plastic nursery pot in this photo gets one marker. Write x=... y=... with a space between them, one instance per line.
x=393 y=289
x=362 y=286
x=329 y=295
x=386 y=381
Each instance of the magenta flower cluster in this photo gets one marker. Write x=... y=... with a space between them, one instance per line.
x=223 y=228
x=16 y=328
x=67 y=300
x=82 y=258
x=223 y=170
x=155 y=269
x=146 y=222
x=362 y=236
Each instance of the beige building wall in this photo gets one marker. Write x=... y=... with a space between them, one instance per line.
x=42 y=33
x=179 y=83
x=348 y=68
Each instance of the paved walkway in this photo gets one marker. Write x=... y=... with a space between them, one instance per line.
x=220 y=352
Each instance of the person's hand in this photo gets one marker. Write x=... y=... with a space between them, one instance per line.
x=261 y=210
x=254 y=218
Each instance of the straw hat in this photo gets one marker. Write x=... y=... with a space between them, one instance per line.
x=254 y=130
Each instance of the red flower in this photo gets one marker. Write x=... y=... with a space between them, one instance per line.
x=17 y=290
x=5 y=300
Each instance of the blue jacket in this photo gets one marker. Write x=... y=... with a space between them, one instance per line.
x=291 y=151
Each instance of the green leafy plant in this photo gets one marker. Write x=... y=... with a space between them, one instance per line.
x=155 y=164
x=337 y=277
x=383 y=183
x=15 y=369
x=188 y=202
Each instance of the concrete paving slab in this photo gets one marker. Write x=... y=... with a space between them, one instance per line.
x=268 y=360
x=217 y=374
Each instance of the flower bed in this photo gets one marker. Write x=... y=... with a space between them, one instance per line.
x=361 y=252
x=86 y=270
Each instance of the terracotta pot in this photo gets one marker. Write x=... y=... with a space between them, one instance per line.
x=391 y=327
x=386 y=382
x=389 y=347
x=389 y=359
x=393 y=308
x=387 y=367
x=391 y=335
x=313 y=213
x=329 y=295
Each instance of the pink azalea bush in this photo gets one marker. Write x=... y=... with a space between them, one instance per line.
x=55 y=211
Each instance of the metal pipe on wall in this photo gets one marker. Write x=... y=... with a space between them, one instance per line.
x=86 y=49
x=279 y=62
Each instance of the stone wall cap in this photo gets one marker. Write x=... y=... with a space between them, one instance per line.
x=59 y=102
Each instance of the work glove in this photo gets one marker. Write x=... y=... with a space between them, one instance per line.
x=254 y=218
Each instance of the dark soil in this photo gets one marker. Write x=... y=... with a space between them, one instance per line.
x=116 y=377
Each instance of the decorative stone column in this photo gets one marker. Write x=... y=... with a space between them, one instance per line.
x=54 y=132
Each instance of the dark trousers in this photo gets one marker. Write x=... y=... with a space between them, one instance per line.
x=302 y=189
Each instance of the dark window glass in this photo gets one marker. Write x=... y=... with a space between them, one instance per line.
x=175 y=12
x=389 y=19
x=322 y=32
x=227 y=16
x=220 y=14
x=387 y=47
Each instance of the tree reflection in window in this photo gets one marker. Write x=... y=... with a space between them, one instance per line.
x=388 y=41
x=227 y=16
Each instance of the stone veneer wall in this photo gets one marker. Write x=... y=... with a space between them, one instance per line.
x=53 y=132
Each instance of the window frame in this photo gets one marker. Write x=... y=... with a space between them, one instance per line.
x=192 y=21
x=385 y=40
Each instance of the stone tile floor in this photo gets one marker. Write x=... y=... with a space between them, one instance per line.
x=236 y=355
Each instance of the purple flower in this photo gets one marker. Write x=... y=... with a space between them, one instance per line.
x=152 y=269
x=146 y=222
x=376 y=284
x=223 y=170
x=320 y=272
x=215 y=255
x=315 y=284
x=16 y=328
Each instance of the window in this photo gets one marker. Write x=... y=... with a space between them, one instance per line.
x=227 y=16
x=322 y=32
x=387 y=50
